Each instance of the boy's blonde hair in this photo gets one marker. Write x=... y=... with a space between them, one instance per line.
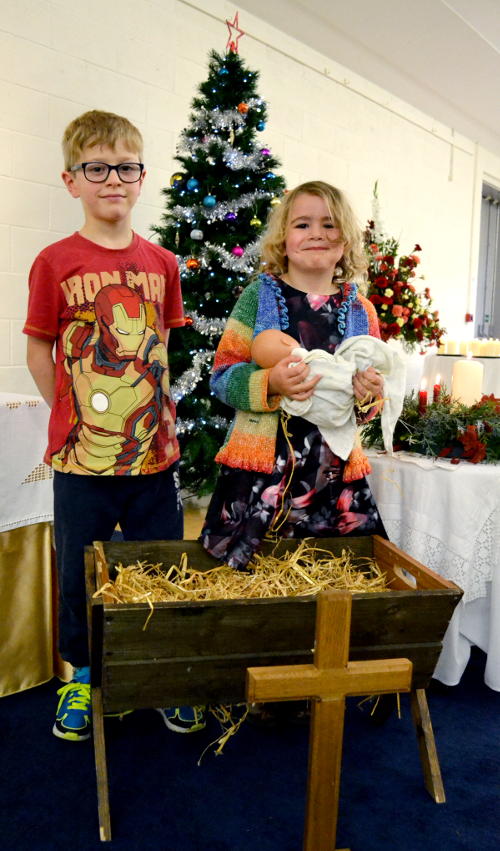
x=354 y=262
x=98 y=128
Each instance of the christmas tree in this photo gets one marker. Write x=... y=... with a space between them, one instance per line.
x=216 y=208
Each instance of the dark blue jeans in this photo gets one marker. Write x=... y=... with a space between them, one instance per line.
x=87 y=509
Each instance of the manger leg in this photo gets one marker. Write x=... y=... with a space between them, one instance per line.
x=101 y=766
x=427 y=745
x=325 y=757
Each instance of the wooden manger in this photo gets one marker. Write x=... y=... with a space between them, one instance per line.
x=199 y=652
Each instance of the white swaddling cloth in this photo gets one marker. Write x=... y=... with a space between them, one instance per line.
x=331 y=406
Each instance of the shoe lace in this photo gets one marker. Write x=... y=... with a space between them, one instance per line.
x=77 y=695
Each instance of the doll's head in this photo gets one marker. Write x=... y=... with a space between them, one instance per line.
x=271 y=346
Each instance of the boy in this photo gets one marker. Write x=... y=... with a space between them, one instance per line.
x=101 y=304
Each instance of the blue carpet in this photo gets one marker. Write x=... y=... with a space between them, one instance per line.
x=252 y=797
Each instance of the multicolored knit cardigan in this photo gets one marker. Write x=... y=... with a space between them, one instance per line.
x=236 y=380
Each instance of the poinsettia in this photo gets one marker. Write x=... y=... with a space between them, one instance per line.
x=474 y=448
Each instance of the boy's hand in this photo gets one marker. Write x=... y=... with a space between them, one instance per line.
x=367 y=384
x=292 y=381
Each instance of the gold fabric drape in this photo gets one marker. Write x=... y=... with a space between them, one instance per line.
x=28 y=611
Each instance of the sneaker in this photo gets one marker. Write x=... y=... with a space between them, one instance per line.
x=74 y=708
x=184 y=719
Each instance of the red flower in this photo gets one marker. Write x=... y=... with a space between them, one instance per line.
x=474 y=449
x=494 y=400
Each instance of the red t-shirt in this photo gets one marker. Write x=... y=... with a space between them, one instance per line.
x=107 y=311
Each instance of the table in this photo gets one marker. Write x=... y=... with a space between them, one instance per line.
x=27 y=574
x=448 y=517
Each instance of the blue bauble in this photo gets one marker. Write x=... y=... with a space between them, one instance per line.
x=209 y=201
x=192 y=184
x=223 y=71
x=270 y=175
x=261 y=125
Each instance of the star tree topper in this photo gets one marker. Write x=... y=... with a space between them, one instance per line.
x=232 y=42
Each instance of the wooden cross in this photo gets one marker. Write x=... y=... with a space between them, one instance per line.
x=327 y=682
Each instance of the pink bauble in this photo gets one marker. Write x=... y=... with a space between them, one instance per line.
x=238 y=251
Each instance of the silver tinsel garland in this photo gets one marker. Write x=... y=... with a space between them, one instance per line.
x=209 y=327
x=220 y=211
x=220 y=119
x=188 y=426
x=232 y=157
x=245 y=264
x=190 y=378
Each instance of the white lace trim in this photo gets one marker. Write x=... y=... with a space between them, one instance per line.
x=471 y=575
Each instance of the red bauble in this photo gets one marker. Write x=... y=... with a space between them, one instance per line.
x=188 y=320
x=243 y=108
x=193 y=264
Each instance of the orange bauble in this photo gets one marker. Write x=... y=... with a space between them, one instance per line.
x=193 y=264
x=243 y=108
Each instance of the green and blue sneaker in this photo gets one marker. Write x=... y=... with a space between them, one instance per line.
x=184 y=719
x=73 y=716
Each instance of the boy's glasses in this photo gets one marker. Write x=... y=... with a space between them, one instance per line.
x=99 y=172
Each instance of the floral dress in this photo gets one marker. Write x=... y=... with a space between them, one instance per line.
x=305 y=495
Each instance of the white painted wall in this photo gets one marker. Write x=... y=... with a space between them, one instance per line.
x=144 y=59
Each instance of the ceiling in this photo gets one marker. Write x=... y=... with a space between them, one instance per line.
x=441 y=56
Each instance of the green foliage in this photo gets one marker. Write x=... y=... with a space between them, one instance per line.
x=446 y=428
x=221 y=154
x=197 y=461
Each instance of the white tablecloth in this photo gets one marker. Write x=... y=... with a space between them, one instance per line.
x=448 y=517
x=25 y=481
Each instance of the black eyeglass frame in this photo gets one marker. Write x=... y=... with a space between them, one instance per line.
x=110 y=168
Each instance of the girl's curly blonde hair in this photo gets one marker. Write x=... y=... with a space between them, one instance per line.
x=354 y=262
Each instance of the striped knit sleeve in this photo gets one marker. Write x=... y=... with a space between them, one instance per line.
x=373 y=326
x=236 y=379
x=374 y=330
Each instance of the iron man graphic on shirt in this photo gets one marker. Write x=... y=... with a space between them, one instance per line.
x=119 y=372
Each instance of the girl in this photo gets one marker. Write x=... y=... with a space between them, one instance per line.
x=278 y=475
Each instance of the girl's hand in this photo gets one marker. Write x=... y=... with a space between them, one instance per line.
x=291 y=381
x=367 y=385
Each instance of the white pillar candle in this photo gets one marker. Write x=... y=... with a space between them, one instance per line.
x=475 y=347
x=451 y=347
x=467 y=381
x=484 y=347
x=463 y=347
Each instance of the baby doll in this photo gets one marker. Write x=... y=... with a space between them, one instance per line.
x=332 y=404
